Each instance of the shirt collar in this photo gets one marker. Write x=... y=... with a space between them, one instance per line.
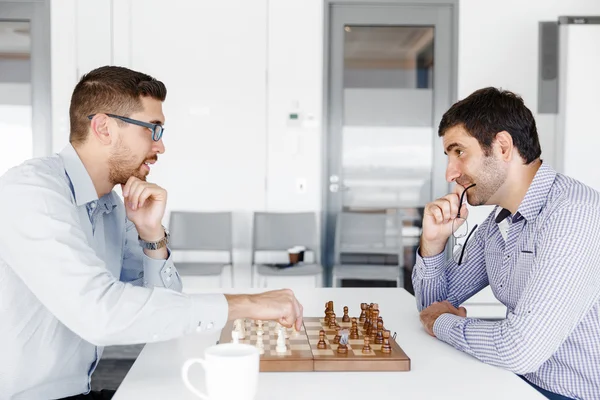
x=537 y=194
x=81 y=182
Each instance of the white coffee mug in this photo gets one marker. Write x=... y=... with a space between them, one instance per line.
x=231 y=372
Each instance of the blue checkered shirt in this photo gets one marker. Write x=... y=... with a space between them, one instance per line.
x=547 y=274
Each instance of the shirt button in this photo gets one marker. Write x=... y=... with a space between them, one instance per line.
x=210 y=325
x=169 y=270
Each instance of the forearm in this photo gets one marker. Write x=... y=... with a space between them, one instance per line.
x=429 y=281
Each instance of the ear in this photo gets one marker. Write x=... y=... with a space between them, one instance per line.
x=504 y=145
x=100 y=128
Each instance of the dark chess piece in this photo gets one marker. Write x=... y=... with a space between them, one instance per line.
x=386 y=348
x=343 y=346
x=321 y=344
x=379 y=335
x=337 y=337
x=367 y=347
x=367 y=319
x=354 y=329
x=363 y=314
x=346 y=317
x=332 y=321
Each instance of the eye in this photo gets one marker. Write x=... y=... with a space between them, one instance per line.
x=459 y=152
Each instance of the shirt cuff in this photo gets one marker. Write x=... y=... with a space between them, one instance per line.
x=209 y=312
x=429 y=267
x=444 y=324
x=158 y=272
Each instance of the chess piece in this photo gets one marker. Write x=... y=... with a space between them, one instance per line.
x=242 y=329
x=281 y=347
x=367 y=319
x=367 y=347
x=363 y=314
x=337 y=337
x=380 y=319
x=386 y=348
x=354 y=329
x=332 y=321
x=259 y=342
x=259 y=323
x=328 y=317
x=343 y=342
x=374 y=318
x=321 y=345
x=346 y=317
x=235 y=337
x=379 y=334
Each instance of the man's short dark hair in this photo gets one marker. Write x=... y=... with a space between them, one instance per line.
x=109 y=89
x=489 y=111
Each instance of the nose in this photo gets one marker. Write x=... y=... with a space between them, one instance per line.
x=452 y=172
x=159 y=146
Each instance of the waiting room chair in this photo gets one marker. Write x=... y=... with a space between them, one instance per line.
x=365 y=236
x=208 y=235
x=275 y=233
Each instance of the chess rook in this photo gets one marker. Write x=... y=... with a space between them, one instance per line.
x=363 y=314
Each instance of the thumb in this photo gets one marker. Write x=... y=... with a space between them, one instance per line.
x=462 y=312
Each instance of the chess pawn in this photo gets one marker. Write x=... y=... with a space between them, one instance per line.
x=363 y=314
x=235 y=337
x=260 y=330
x=354 y=329
x=321 y=345
x=379 y=335
x=386 y=348
x=337 y=337
x=367 y=347
x=346 y=317
x=259 y=342
x=332 y=321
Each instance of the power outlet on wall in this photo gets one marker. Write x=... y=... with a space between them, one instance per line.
x=301 y=185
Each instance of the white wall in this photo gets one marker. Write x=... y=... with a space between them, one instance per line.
x=236 y=69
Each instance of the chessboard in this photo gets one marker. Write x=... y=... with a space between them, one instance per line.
x=326 y=343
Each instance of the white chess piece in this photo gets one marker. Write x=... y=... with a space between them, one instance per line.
x=259 y=342
x=235 y=335
x=242 y=329
x=260 y=326
x=281 y=348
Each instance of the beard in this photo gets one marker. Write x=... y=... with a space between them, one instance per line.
x=123 y=165
x=490 y=178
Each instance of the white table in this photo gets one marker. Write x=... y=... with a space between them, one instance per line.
x=438 y=371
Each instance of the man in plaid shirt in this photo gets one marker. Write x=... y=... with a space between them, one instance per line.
x=544 y=267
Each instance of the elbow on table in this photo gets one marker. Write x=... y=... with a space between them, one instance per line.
x=529 y=360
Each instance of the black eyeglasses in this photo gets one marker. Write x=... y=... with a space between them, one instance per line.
x=156 y=129
x=460 y=228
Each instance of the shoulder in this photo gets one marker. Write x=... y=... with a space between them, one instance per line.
x=571 y=203
x=41 y=177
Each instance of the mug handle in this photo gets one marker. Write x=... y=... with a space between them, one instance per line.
x=186 y=381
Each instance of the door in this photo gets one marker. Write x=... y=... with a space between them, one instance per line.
x=390 y=78
x=25 y=113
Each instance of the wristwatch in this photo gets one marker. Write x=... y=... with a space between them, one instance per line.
x=155 y=245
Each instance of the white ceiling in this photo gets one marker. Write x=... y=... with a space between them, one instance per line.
x=385 y=46
x=15 y=40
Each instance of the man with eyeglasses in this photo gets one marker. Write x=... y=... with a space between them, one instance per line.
x=544 y=267
x=80 y=268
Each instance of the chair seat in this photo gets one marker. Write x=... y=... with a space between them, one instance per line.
x=297 y=270
x=200 y=268
x=375 y=272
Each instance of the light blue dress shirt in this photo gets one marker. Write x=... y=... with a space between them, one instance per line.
x=73 y=278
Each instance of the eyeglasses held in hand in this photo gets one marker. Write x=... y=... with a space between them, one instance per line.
x=460 y=229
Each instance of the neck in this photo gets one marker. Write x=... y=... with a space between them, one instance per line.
x=96 y=167
x=516 y=189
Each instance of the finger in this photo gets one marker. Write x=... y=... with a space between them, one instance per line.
x=454 y=201
x=150 y=191
x=464 y=211
x=299 y=317
x=435 y=212
x=134 y=194
x=127 y=187
x=462 y=312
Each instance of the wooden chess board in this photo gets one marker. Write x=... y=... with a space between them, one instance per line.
x=303 y=354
